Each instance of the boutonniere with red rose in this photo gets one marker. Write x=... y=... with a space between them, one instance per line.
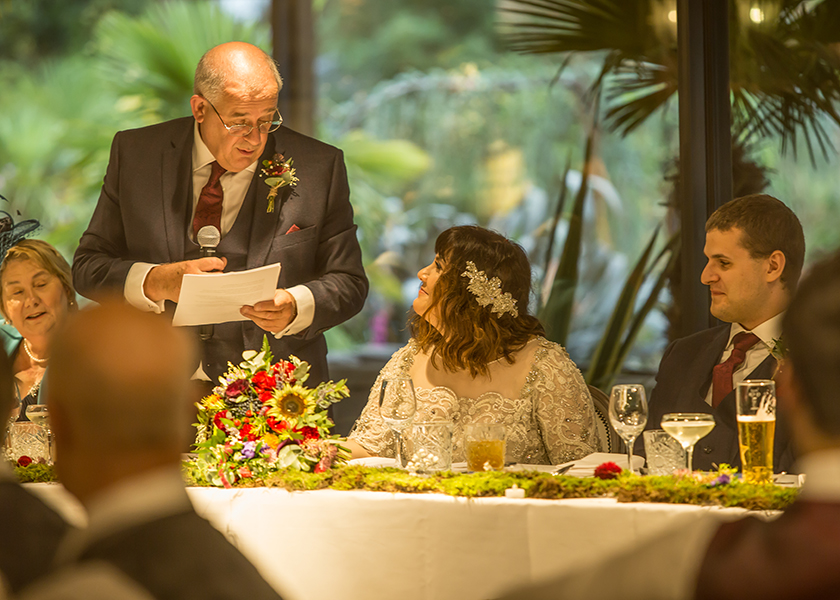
x=278 y=172
x=262 y=418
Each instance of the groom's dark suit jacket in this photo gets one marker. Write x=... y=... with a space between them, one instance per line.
x=144 y=211
x=684 y=378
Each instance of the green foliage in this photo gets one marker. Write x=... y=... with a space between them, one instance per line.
x=627 y=320
x=556 y=313
x=154 y=57
x=367 y=41
x=38 y=29
x=791 y=49
x=35 y=473
x=626 y=488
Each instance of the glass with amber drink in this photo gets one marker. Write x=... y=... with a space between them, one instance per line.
x=484 y=444
x=756 y=415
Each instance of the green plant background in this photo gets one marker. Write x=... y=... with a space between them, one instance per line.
x=440 y=126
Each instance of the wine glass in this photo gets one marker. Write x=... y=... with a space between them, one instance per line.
x=39 y=414
x=397 y=405
x=687 y=428
x=628 y=414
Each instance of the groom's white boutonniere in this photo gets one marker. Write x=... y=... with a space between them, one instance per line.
x=278 y=173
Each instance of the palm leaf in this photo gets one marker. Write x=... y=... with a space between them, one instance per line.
x=556 y=314
x=625 y=322
x=558 y=214
x=784 y=74
x=153 y=57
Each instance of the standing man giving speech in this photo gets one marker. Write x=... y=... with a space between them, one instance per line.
x=167 y=181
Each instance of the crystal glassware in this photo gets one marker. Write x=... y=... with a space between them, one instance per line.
x=429 y=447
x=39 y=414
x=687 y=428
x=397 y=406
x=628 y=414
x=484 y=445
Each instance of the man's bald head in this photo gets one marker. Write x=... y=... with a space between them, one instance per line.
x=237 y=69
x=120 y=380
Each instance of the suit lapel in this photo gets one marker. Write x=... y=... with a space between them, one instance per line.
x=264 y=225
x=176 y=188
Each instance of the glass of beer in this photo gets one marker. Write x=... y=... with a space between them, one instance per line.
x=484 y=444
x=756 y=406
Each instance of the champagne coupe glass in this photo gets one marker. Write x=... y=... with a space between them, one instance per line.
x=687 y=428
x=397 y=405
x=628 y=414
x=39 y=414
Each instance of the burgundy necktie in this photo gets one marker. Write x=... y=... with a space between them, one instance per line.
x=208 y=211
x=722 y=373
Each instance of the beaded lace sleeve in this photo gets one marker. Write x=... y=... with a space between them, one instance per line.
x=370 y=430
x=563 y=406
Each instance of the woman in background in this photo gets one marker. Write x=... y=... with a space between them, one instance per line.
x=36 y=293
x=477 y=356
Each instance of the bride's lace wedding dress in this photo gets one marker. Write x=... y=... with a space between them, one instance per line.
x=541 y=398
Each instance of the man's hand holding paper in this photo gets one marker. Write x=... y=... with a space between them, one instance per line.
x=164 y=281
x=210 y=298
x=273 y=315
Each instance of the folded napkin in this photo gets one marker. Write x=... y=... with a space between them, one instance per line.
x=585 y=467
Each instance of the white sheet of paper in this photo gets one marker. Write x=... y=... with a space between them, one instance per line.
x=217 y=297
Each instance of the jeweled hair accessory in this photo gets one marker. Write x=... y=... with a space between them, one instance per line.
x=11 y=233
x=489 y=292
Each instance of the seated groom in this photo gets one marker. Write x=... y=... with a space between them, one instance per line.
x=29 y=530
x=794 y=556
x=119 y=404
x=167 y=181
x=755 y=249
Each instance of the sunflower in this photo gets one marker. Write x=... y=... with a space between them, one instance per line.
x=289 y=402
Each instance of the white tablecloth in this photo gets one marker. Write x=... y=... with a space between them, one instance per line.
x=371 y=545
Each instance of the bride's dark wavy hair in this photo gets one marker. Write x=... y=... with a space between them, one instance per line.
x=473 y=336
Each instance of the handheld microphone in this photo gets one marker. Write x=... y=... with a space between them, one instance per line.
x=208 y=237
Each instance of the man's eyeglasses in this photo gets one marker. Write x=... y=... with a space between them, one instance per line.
x=244 y=130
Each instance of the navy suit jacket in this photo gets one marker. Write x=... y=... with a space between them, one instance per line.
x=683 y=380
x=181 y=557
x=143 y=215
x=30 y=532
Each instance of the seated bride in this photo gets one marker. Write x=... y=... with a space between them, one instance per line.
x=477 y=356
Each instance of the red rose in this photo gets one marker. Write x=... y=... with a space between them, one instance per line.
x=278 y=426
x=265 y=396
x=24 y=461
x=607 y=470
x=237 y=388
x=309 y=433
x=217 y=418
x=263 y=381
x=247 y=433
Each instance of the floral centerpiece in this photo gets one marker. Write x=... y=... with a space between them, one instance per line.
x=261 y=418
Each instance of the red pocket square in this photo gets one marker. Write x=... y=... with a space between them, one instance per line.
x=292 y=229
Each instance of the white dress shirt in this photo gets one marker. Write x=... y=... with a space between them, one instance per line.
x=235 y=187
x=768 y=332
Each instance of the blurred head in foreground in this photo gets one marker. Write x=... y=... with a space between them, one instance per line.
x=809 y=379
x=118 y=396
